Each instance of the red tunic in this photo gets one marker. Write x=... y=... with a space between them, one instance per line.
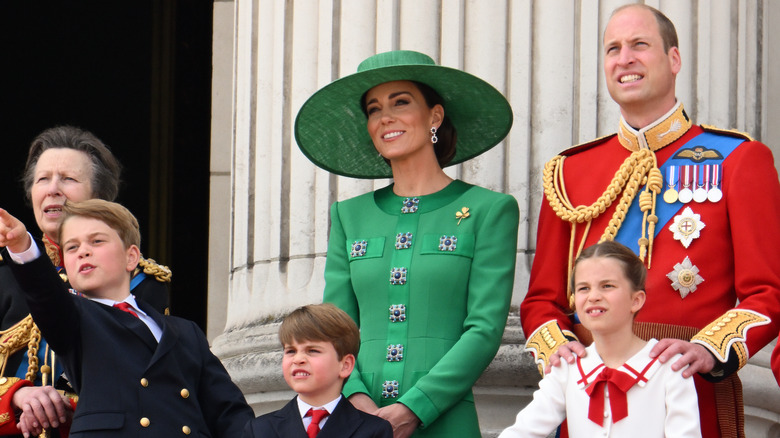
x=736 y=255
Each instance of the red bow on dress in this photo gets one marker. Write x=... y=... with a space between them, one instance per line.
x=618 y=383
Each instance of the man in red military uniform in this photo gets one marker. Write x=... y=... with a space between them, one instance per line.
x=700 y=206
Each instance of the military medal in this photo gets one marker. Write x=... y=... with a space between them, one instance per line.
x=714 y=194
x=700 y=194
x=687 y=226
x=685 y=277
x=670 y=195
x=686 y=194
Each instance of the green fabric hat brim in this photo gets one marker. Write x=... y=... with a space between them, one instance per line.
x=331 y=128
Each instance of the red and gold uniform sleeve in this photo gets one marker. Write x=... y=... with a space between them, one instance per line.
x=752 y=196
x=8 y=386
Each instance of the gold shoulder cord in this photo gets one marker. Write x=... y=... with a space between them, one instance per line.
x=160 y=272
x=640 y=168
x=22 y=334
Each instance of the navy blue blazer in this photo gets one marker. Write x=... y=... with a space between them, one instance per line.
x=345 y=422
x=128 y=384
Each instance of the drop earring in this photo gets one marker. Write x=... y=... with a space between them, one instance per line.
x=434 y=138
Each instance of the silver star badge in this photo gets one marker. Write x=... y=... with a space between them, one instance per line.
x=687 y=226
x=685 y=277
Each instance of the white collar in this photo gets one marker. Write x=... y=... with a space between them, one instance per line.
x=129 y=300
x=304 y=407
x=640 y=366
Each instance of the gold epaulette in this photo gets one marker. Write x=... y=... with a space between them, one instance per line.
x=729 y=132
x=15 y=337
x=160 y=272
x=544 y=341
x=23 y=334
x=729 y=331
x=585 y=146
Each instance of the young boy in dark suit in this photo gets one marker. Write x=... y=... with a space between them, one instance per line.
x=137 y=372
x=320 y=343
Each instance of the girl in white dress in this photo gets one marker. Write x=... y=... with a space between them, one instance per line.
x=616 y=389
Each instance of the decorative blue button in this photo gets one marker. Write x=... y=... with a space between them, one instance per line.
x=395 y=352
x=403 y=240
x=397 y=313
x=410 y=205
x=448 y=243
x=398 y=276
x=390 y=389
x=359 y=248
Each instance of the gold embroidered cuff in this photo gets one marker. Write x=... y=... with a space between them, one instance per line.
x=729 y=331
x=544 y=341
x=7 y=382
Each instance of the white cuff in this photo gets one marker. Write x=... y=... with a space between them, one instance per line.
x=27 y=255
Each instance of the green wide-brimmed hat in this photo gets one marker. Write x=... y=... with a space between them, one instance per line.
x=331 y=127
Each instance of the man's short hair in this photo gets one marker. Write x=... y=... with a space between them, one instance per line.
x=321 y=323
x=665 y=25
x=112 y=214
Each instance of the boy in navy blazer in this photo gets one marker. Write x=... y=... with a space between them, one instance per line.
x=137 y=372
x=320 y=343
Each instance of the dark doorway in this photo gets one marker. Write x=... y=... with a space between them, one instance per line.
x=138 y=75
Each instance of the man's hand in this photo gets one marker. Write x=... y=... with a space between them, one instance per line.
x=402 y=419
x=42 y=407
x=13 y=233
x=565 y=352
x=697 y=358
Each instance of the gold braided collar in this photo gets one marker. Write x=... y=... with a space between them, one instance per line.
x=658 y=134
x=52 y=250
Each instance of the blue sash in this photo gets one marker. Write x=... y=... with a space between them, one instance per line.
x=137 y=280
x=631 y=229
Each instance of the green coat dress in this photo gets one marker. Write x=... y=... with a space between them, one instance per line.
x=428 y=281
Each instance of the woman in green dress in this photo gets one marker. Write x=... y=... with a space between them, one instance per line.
x=425 y=265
